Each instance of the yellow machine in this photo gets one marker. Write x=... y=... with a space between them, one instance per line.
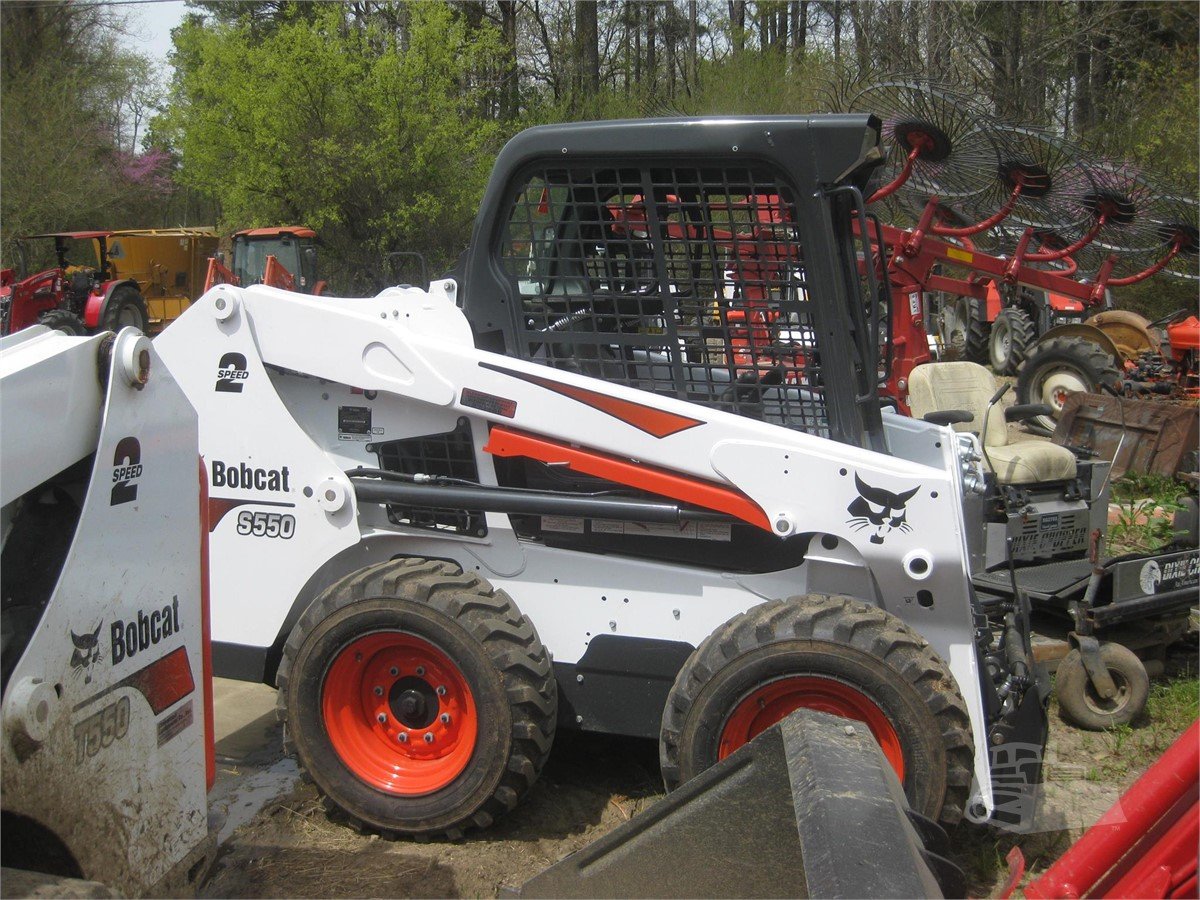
x=168 y=265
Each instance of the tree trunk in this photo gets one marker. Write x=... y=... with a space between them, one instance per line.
x=692 y=49
x=668 y=30
x=588 y=47
x=1083 y=66
x=937 y=40
x=837 y=31
x=651 y=42
x=799 y=26
x=510 y=91
x=737 y=25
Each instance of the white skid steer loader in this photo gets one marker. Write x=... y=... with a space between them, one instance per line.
x=575 y=486
x=107 y=711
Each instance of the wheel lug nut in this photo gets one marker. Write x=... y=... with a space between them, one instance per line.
x=429 y=737
x=378 y=691
x=441 y=690
x=420 y=670
x=445 y=717
x=382 y=717
x=394 y=671
x=402 y=737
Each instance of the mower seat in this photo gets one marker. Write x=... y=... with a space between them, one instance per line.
x=968 y=386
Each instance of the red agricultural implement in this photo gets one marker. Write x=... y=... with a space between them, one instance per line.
x=1144 y=846
x=1017 y=237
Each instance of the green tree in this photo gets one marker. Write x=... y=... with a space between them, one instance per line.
x=71 y=102
x=323 y=120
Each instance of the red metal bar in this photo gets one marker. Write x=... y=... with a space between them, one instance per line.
x=932 y=251
x=1146 y=273
x=1164 y=860
x=896 y=183
x=968 y=230
x=1052 y=255
x=206 y=666
x=1119 y=830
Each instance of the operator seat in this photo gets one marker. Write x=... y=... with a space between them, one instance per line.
x=968 y=386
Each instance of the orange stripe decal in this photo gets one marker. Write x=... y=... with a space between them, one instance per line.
x=506 y=442
x=649 y=419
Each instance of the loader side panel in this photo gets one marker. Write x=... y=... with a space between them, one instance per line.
x=103 y=716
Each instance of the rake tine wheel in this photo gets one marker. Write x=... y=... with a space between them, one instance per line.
x=933 y=138
x=1178 y=220
x=1054 y=183
x=1125 y=200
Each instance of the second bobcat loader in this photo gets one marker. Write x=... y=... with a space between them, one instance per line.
x=573 y=488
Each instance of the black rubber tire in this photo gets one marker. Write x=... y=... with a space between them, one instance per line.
x=1185 y=524
x=974 y=311
x=963 y=329
x=1012 y=334
x=495 y=648
x=63 y=320
x=125 y=307
x=848 y=641
x=1076 y=358
x=1078 y=701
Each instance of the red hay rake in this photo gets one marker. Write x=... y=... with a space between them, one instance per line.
x=1001 y=240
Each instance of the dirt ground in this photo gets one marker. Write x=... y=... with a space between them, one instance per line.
x=591 y=784
x=295 y=849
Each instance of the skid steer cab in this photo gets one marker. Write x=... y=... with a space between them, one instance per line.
x=107 y=708
x=627 y=472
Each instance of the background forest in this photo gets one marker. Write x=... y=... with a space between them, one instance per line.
x=377 y=123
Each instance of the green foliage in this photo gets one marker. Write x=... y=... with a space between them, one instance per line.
x=1146 y=505
x=333 y=124
x=66 y=91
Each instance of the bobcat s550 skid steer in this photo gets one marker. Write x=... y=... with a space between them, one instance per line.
x=574 y=487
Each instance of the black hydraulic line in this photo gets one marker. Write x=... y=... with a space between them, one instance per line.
x=509 y=500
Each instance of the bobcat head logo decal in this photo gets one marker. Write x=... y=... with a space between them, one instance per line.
x=879 y=509
x=86 y=653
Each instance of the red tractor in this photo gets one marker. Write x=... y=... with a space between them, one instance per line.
x=283 y=257
x=77 y=294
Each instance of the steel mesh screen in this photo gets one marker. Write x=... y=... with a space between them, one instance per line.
x=679 y=280
x=450 y=455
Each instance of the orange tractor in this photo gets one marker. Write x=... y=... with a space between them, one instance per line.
x=283 y=257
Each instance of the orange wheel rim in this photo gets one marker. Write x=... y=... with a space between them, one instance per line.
x=399 y=713
x=766 y=705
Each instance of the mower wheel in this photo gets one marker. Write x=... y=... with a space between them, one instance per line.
x=125 y=307
x=833 y=654
x=1083 y=707
x=1059 y=367
x=1012 y=334
x=417 y=698
x=63 y=320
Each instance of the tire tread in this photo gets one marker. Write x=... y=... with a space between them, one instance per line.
x=834 y=619
x=508 y=638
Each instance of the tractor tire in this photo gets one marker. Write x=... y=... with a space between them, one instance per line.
x=418 y=699
x=963 y=329
x=1058 y=367
x=1078 y=701
x=1012 y=334
x=63 y=320
x=833 y=654
x=125 y=308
